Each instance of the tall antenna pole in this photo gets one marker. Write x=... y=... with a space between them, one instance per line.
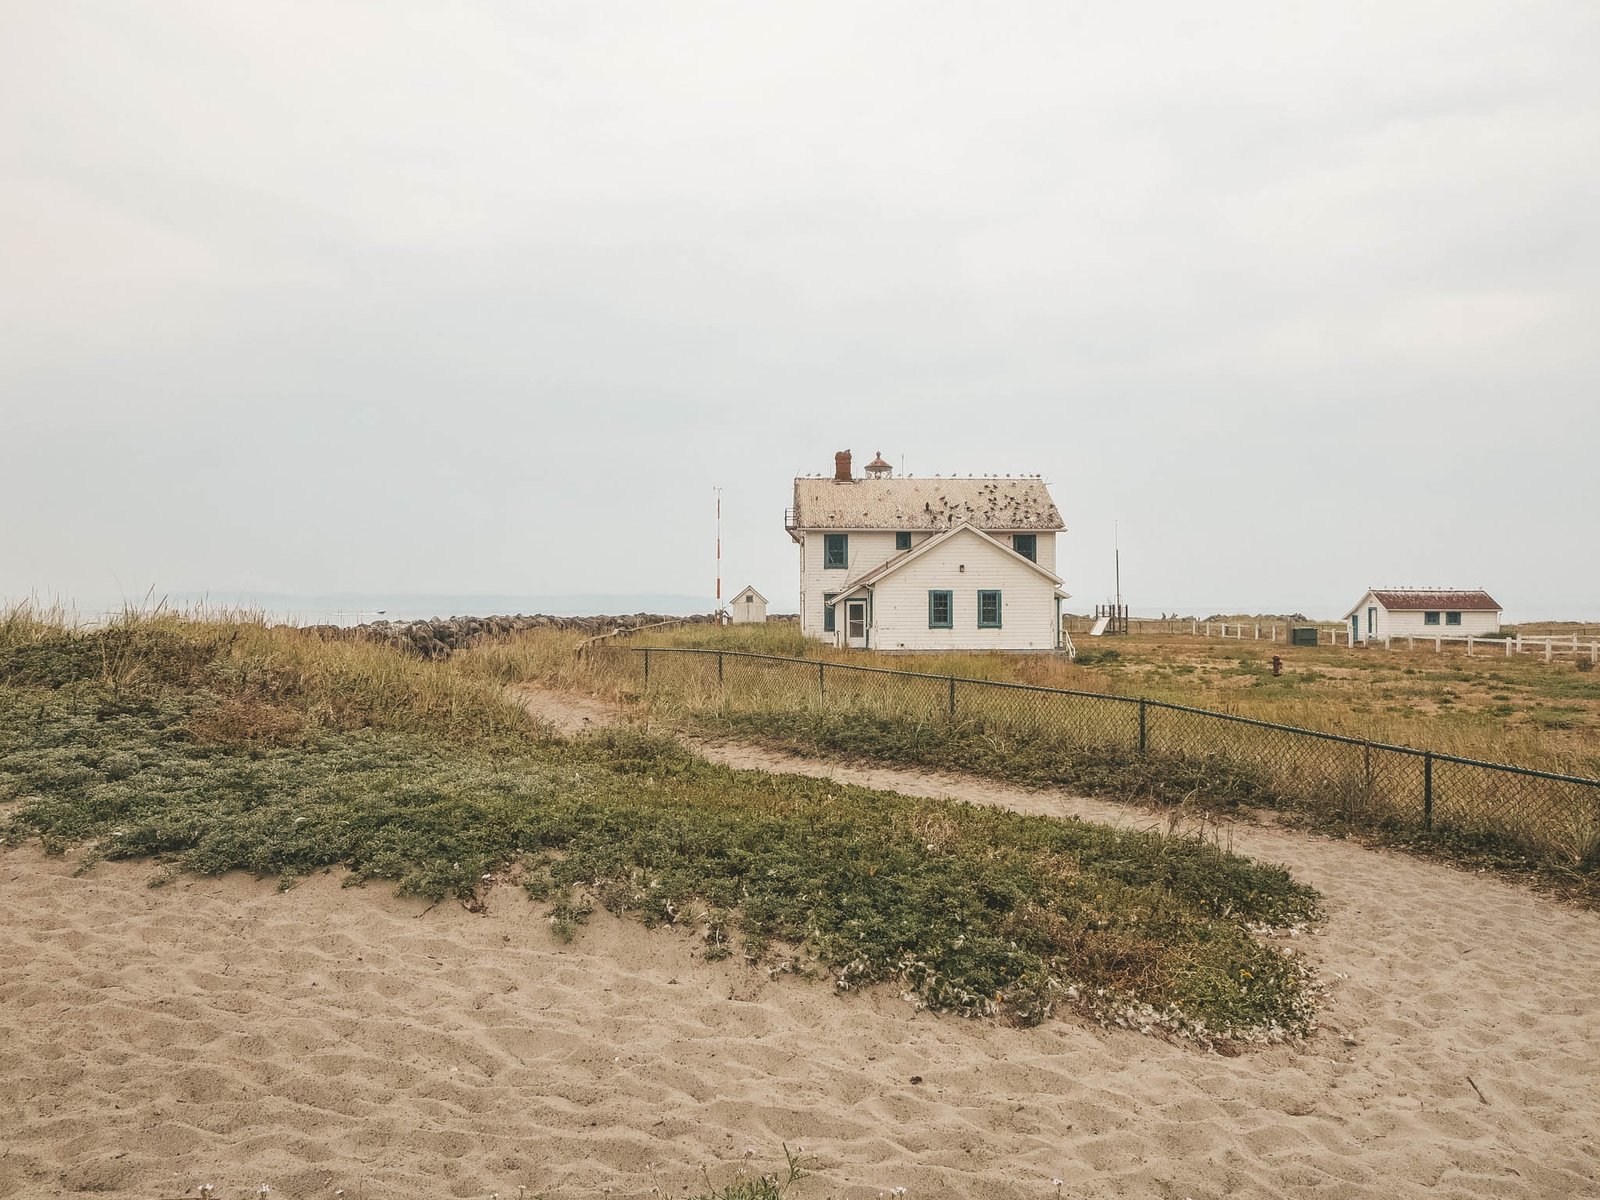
x=1116 y=542
x=718 y=609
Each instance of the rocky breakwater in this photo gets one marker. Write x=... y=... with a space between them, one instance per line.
x=439 y=638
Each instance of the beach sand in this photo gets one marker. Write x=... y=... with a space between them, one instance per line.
x=217 y=1030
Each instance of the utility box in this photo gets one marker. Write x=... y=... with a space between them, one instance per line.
x=1303 y=635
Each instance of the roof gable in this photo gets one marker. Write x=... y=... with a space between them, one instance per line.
x=750 y=590
x=906 y=557
x=924 y=505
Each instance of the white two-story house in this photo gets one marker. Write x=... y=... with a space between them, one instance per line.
x=927 y=563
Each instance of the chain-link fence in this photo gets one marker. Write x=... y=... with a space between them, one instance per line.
x=1552 y=816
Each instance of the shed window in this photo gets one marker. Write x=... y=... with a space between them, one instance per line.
x=902 y=540
x=827 y=611
x=1452 y=618
x=836 y=551
x=941 y=610
x=1430 y=618
x=988 y=610
x=1027 y=545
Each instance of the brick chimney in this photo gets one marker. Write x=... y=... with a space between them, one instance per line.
x=841 y=467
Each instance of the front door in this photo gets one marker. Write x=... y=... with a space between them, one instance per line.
x=855 y=623
x=1355 y=628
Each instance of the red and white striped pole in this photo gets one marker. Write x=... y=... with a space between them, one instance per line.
x=718 y=610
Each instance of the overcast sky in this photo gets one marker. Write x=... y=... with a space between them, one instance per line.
x=486 y=297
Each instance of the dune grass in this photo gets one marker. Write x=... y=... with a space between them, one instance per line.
x=212 y=747
x=1545 y=831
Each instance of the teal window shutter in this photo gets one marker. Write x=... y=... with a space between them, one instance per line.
x=988 y=610
x=827 y=611
x=836 y=551
x=1027 y=545
x=902 y=541
x=941 y=610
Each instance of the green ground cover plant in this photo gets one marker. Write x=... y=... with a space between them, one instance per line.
x=218 y=748
x=1208 y=784
x=1547 y=833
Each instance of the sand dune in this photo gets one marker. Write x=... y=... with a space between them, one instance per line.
x=325 y=1038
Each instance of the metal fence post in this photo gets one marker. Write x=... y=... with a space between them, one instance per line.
x=952 y=697
x=822 y=681
x=1427 y=789
x=719 y=670
x=1143 y=727
x=647 y=668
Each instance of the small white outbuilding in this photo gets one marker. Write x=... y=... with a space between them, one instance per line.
x=749 y=607
x=1385 y=613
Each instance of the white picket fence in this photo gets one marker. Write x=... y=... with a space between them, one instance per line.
x=1326 y=634
x=1547 y=647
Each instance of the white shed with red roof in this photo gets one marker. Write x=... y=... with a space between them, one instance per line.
x=1385 y=613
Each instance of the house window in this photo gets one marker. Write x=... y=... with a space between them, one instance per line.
x=836 y=551
x=988 y=610
x=827 y=611
x=1451 y=618
x=902 y=541
x=1429 y=618
x=941 y=610
x=1027 y=545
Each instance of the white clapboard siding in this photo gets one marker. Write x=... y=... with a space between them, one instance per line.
x=1028 y=605
x=869 y=549
x=1380 y=620
x=1414 y=624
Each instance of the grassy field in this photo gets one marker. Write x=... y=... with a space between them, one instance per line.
x=1516 y=710
x=219 y=746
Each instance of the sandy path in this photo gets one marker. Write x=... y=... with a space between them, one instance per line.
x=327 y=1038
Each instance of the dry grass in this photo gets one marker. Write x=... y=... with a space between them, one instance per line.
x=1516 y=710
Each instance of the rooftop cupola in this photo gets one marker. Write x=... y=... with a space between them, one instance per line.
x=878 y=469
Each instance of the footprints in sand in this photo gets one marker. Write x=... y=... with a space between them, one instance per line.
x=322 y=1038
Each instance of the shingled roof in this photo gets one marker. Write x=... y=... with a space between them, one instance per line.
x=922 y=504
x=1429 y=599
